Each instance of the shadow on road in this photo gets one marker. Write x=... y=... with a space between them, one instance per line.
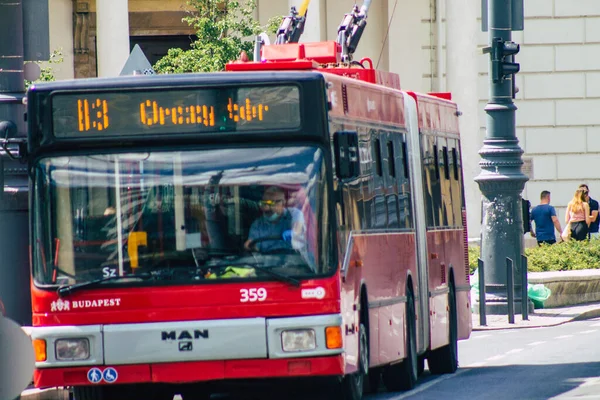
x=531 y=382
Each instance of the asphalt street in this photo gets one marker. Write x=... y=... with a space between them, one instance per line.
x=560 y=362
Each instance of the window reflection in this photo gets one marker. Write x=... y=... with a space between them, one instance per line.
x=180 y=215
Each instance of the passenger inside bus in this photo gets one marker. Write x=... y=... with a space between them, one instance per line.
x=279 y=228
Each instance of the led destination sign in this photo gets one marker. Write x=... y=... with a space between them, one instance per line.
x=130 y=113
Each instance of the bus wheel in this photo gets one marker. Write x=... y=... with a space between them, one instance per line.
x=445 y=359
x=374 y=381
x=353 y=385
x=403 y=376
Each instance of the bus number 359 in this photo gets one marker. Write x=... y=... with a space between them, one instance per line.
x=254 y=294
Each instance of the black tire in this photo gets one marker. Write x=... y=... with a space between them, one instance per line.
x=374 y=380
x=445 y=359
x=352 y=386
x=403 y=376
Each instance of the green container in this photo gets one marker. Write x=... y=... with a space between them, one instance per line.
x=538 y=295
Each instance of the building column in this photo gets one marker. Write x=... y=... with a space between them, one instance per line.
x=315 y=29
x=461 y=78
x=112 y=33
x=61 y=28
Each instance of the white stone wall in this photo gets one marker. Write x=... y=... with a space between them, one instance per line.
x=558 y=116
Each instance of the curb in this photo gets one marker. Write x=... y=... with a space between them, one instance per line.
x=587 y=315
x=590 y=314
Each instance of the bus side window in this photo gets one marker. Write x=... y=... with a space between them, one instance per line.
x=431 y=180
x=455 y=163
x=446 y=163
x=405 y=160
x=377 y=157
x=379 y=200
x=392 y=185
x=457 y=195
x=446 y=213
x=404 y=189
x=391 y=158
x=367 y=171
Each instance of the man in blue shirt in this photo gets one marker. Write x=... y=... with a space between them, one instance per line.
x=278 y=227
x=545 y=220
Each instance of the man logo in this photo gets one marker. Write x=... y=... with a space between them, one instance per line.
x=185 y=346
x=183 y=335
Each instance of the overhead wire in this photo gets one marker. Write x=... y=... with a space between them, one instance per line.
x=387 y=33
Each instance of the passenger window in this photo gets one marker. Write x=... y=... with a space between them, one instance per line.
x=378 y=157
x=455 y=163
x=405 y=159
x=436 y=162
x=446 y=166
x=391 y=159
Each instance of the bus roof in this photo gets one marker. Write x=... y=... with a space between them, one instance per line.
x=175 y=80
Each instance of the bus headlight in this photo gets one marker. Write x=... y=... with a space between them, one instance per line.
x=299 y=340
x=72 y=349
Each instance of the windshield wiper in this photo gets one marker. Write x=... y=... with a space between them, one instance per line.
x=66 y=290
x=268 y=271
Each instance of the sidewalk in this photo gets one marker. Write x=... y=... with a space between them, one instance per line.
x=540 y=318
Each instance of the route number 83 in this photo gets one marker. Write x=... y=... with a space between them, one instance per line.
x=252 y=295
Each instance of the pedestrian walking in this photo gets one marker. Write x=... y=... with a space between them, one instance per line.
x=545 y=219
x=593 y=230
x=578 y=216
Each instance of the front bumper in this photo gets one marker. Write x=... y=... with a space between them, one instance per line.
x=198 y=371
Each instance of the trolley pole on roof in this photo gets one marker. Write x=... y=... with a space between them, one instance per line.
x=501 y=181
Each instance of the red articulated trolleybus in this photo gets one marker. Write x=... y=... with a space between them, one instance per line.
x=296 y=217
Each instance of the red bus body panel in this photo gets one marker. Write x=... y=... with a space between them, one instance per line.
x=181 y=303
x=200 y=371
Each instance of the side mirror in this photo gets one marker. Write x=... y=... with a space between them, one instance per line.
x=347 y=160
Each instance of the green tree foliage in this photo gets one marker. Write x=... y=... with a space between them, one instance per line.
x=474 y=252
x=564 y=256
x=47 y=71
x=224 y=29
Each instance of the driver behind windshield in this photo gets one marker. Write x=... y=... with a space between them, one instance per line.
x=279 y=227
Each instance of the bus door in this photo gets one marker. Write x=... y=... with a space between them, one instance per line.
x=394 y=262
x=433 y=163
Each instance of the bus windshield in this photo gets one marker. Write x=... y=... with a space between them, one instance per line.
x=184 y=216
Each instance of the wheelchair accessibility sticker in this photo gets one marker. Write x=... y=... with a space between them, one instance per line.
x=110 y=375
x=96 y=375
